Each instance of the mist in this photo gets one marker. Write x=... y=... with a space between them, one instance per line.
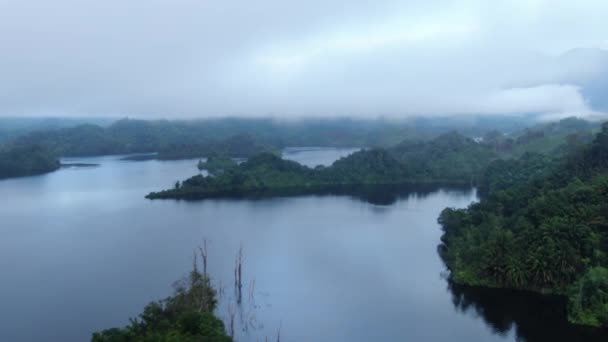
x=270 y=58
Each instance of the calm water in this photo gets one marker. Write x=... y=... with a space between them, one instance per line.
x=313 y=156
x=82 y=250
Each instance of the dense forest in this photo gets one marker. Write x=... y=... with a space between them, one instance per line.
x=72 y=137
x=450 y=158
x=543 y=226
x=238 y=146
x=28 y=160
x=174 y=139
x=453 y=157
x=217 y=164
x=14 y=127
x=427 y=149
x=268 y=173
x=187 y=316
x=170 y=141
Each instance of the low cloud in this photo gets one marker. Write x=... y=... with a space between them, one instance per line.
x=188 y=58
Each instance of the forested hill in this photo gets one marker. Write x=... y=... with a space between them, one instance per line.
x=454 y=157
x=26 y=161
x=133 y=135
x=428 y=153
x=450 y=157
x=547 y=138
x=540 y=228
x=170 y=140
x=245 y=137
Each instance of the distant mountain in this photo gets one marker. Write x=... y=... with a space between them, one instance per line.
x=11 y=128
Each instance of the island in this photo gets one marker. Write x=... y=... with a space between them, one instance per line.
x=448 y=159
x=267 y=173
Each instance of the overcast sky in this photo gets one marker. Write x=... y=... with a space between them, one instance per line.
x=202 y=58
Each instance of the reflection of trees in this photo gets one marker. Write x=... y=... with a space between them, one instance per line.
x=536 y=318
x=384 y=195
x=374 y=194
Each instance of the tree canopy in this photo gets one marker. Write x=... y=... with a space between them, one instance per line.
x=187 y=316
x=542 y=229
x=17 y=161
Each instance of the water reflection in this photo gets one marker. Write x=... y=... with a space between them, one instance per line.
x=384 y=195
x=533 y=317
x=319 y=267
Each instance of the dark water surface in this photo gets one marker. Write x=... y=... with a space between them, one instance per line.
x=82 y=250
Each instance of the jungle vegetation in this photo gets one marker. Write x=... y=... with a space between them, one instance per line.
x=450 y=158
x=186 y=316
x=18 y=161
x=543 y=226
x=217 y=164
x=269 y=173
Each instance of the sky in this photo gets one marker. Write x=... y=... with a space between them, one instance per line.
x=280 y=58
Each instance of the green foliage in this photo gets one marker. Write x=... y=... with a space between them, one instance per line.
x=233 y=136
x=242 y=145
x=217 y=164
x=185 y=316
x=171 y=139
x=16 y=161
x=553 y=138
x=502 y=174
x=545 y=233
x=589 y=298
x=451 y=157
x=269 y=173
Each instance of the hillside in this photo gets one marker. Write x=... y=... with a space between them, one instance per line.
x=450 y=157
x=268 y=173
x=26 y=161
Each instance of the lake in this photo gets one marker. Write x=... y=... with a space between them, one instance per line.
x=81 y=250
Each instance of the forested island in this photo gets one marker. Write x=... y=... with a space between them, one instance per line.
x=268 y=173
x=543 y=226
x=450 y=158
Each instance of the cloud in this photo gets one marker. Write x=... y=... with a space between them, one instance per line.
x=192 y=58
x=548 y=98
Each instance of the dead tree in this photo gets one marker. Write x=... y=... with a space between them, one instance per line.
x=251 y=291
x=193 y=276
x=238 y=275
x=204 y=253
x=232 y=313
x=279 y=333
